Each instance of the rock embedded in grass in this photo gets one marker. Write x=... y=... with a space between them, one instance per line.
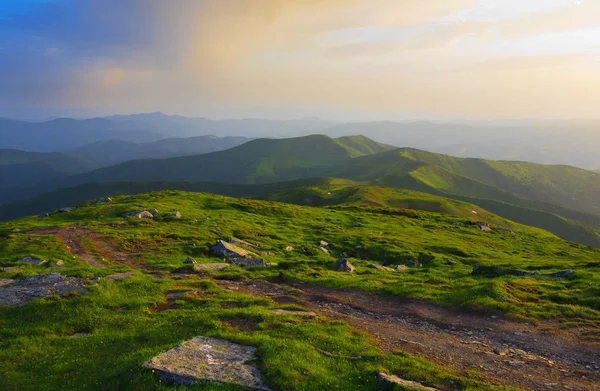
x=190 y=260
x=345 y=266
x=381 y=267
x=34 y=261
x=203 y=360
x=217 y=267
x=22 y=291
x=408 y=384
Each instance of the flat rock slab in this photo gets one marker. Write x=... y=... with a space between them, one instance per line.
x=5 y=281
x=20 y=292
x=202 y=267
x=411 y=385
x=287 y=312
x=120 y=276
x=204 y=359
x=32 y=261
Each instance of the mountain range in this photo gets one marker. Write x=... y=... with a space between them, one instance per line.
x=561 y=199
x=568 y=142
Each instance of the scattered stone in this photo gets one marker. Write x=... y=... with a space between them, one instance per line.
x=79 y=335
x=500 y=352
x=229 y=250
x=16 y=230
x=243 y=243
x=104 y=201
x=402 y=268
x=483 y=227
x=268 y=253
x=22 y=291
x=32 y=261
x=380 y=267
x=12 y=269
x=203 y=359
x=43 y=215
x=190 y=260
x=287 y=312
x=345 y=266
x=5 y=281
x=176 y=215
x=324 y=250
x=289 y=248
x=217 y=267
x=139 y=214
x=60 y=262
x=324 y=244
x=415 y=264
x=153 y=212
x=65 y=210
x=392 y=379
x=248 y=262
x=120 y=276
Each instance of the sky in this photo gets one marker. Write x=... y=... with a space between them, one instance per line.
x=339 y=59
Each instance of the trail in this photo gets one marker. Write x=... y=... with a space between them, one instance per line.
x=74 y=237
x=508 y=352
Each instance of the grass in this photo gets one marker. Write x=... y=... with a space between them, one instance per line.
x=125 y=329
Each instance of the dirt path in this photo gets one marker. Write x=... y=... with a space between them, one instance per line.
x=89 y=246
x=507 y=352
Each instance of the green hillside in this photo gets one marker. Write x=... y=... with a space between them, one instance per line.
x=565 y=186
x=361 y=145
x=127 y=320
x=22 y=168
x=514 y=190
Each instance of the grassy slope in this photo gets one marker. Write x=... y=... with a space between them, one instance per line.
x=20 y=168
x=565 y=186
x=60 y=162
x=37 y=350
x=361 y=145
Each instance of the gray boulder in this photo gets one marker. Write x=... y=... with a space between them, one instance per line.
x=104 y=201
x=139 y=214
x=190 y=260
x=344 y=266
x=203 y=360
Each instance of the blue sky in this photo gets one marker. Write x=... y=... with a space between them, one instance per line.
x=368 y=59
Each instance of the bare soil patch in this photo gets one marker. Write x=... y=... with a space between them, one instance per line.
x=90 y=246
x=508 y=352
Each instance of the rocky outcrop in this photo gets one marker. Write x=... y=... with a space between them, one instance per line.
x=32 y=261
x=344 y=266
x=22 y=291
x=203 y=360
x=229 y=250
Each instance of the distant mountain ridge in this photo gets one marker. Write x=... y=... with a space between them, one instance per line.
x=560 y=142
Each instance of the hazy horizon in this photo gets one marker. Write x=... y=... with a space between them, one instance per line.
x=333 y=59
